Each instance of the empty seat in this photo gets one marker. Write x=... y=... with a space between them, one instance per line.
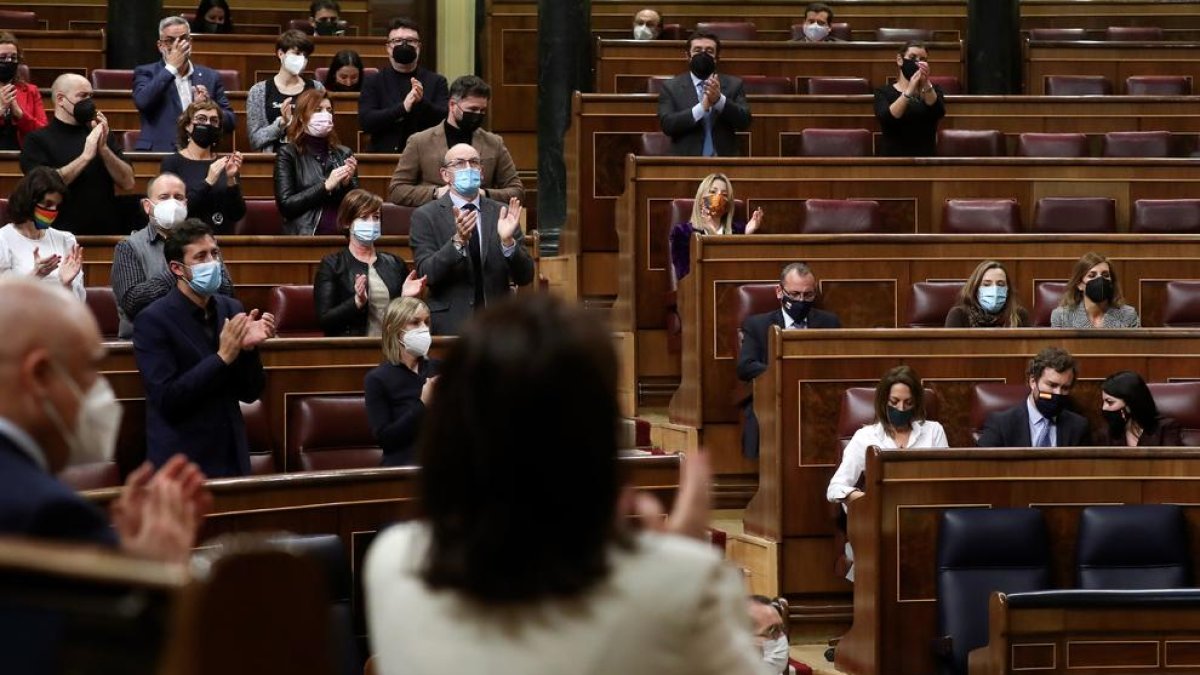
x=729 y=30
x=330 y=431
x=129 y=140
x=841 y=216
x=970 y=143
x=835 y=143
x=839 y=31
x=1137 y=144
x=103 y=303
x=396 y=219
x=1158 y=85
x=1052 y=145
x=1181 y=402
x=320 y=73
x=258 y=435
x=981 y=216
x=1075 y=214
x=1166 y=216
x=1046 y=296
x=302 y=25
x=1058 y=34
x=654 y=144
x=993 y=397
x=671 y=31
x=980 y=551
x=295 y=311
x=107 y=78
x=1077 y=85
x=903 y=34
x=1133 y=547
x=841 y=86
x=1182 y=306
x=12 y=19
x=930 y=301
x=765 y=85
x=949 y=84
x=262 y=218
x=230 y=79
x=1133 y=33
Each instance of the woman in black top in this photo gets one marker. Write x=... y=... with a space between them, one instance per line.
x=212 y=16
x=313 y=171
x=909 y=110
x=398 y=389
x=354 y=285
x=214 y=190
x=345 y=72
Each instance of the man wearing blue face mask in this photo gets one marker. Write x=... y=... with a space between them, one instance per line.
x=196 y=352
x=1042 y=419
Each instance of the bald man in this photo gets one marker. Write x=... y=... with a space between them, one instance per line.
x=469 y=247
x=77 y=142
x=647 y=25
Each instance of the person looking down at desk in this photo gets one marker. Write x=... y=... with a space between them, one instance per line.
x=909 y=110
x=988 y=301
x=1042 y=420
x=1093 y=298
x=712 y=213
x=1131 y=415
x=700 y=110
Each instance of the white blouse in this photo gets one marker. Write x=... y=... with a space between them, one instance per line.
x=927 y=434
x=16 y=254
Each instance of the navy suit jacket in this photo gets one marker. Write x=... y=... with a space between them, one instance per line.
x=158 y=103
x=1010 y=429
x=36 y=504
x=191 y=394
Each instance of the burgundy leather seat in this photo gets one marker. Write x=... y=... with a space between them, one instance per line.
x=1166 y=216
x=1182 y=306
x=103 y=303
x=950 y=85
x=230 y=79
x=109 y=78
x=396 y=219
x=258 y=433
x=903 y=34
x=841 y=216
x=1158 y=85
x=930 y=301
x=320 y=73
x=295 y=311
x=1180 y=401
x=1078 y=85
x=1137 y=144
x=729 y=30
x=857 y=409
x=1058 y=34
x=835 y=143
x=1046 y=296
x=12 y=19
x=752 y=299
x=1075 y=214
x=330 y=431
x=766 y=85
x=1052 y=145
x=672 y=31
x=91 y=476
x=970 y=143
x=1133 y=33
x=981 y=216
x=262 y=218
x=838 y=86
x=129 y=140
x=654 y=144
x=990 y=397
x=654 y=83
x=841 y=31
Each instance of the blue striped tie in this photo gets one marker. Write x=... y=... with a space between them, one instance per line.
x=709 y=150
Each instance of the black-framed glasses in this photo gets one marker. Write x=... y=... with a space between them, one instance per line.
x=204 y=119
x=415 y=42
x=806 y=296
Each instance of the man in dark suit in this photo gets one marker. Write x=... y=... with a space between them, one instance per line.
x=700 y=110
x=1042 y=419
x=161 y=90
x=467 y=246
x=196 y=351
x=797 y=291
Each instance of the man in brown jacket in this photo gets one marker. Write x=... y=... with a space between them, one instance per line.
x=418 y=177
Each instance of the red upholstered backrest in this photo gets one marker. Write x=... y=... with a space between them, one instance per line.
x=764 y=85
x=330 y=431
x=835 y=143
x=1180 y=401
x=981 y=216
x=1046 y=296
x=1137 y=144
x=729 y=30
x=295 y=311
x=230 y=79
x=753 y=299
x=1182 y=307
x=841 y=216
x=970 y=143
x=262 y=218
x=1075 y=214
x=840 y=31
x=903 y=34
x=396 y=219
x=12 y=19
x=654 y=83
x=930 y=302
x=681 y=210
x=1177 y=216
x=103 y=303
x=950 y=84
x=129 y=139
x=990 y=397
x=671 y=31
x=857 y=409
x=301 y=25
x=1077 y=85
x=1158 y=85
x=1052 y=145
x=91 y=476
x=654 y=144
x=1133 y=33
x=1058 y=34
x=839 y=86
x=108 y=78
x=258 y=433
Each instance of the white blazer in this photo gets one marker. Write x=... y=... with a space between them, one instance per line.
x=927 y=434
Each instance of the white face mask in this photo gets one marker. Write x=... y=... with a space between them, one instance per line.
x=168 y=213
x=643 y=32
x=815 y=31
x=365 y=230
x=416 y=342
x=775 y=653
x=94 y=438
x=294 y=63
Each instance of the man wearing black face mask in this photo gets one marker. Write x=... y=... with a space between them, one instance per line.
x=404 y=99
x=797 y=292
x=700 y=110
x=1042 y=419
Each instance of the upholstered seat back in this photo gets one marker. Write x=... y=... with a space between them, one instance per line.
x=111 y=78
x=103 y=303
x=835 y=143
x=729 y=30
x=930 y=302
x=1058 y=34
x=990 y=397
x=329 y=552
x=330 y=431
x=1075 y=214
x=1181 y=402
x=320 y=73
x=654 y=144
x=1077 y=85
x=258 y=434
x=1166 y=216
x=1046 y=296
x=949 y=84
x=841 y=216
x=1134 y=546
x=837 y=86
x=1137 y=144
x=753 y=299
x=766 y=85
x=1158 y=85
x=295 y=311
x=1182 y=308
x=981 y=216
x=1133 y=33
x=395 y=219
x=903 y=34
x=858 y=410
x=970 y=143
x=262 y=218
x=1052 y=145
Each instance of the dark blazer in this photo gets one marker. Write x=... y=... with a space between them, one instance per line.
x=451 y=297
x=158 y=103
x=752 y=362
x=395 y=410
x=191 y=394
x=300 y=186
x=34 y=503
x=333 y=289
x=1010 y=429
x=1169 y=434
x=687 y=135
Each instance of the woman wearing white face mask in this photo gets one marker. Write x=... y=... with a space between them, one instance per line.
x=29 y=245
x=269 y=104
x=353 y=286
x=398 y=390
x=313 y=172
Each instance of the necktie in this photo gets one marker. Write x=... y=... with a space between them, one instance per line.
x=1043 y=439
x=473 y=252
x=707 y=121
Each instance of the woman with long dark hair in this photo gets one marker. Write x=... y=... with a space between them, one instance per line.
x=1132 y=416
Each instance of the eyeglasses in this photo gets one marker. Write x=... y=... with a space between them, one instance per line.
x=773 y=632
x=463 y=163
x=11 y=58
x=404 y=41
x=807 y=296
x=210 y=121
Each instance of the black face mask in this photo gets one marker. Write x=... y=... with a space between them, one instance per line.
x=206 y=135
x=470 y=121
x=1050 y=405
x=900 y=419
x=338 y=86
x=84 y=111
x=909 y=68
x=327 y=27
x=1099 y=290
x=404 y=54
x=8 y=71
x=702 y=65
x=797 y=309
x=211 y=27
x=1116 y=421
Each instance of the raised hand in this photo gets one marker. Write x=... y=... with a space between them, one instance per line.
x=464 y=224
x=415 y=95
x=360 y=290
x=158 y=514
x=712 y=91
x=44 y=266
x=233 y=166
x=178 y=53
x=258 y=329
x=285 y=110
x=215 y=170
x=755 y=221
x=8 y=94
x=91 y=145
x=233 y=335
x=199 y=93
x=510 y=220
x=413 y=285
x=693 y=502
x=427 y=390
x=71 y=265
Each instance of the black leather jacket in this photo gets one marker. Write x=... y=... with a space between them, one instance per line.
x=300 y=186
x=333 y=290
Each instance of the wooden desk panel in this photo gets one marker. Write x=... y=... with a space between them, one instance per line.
x=1114 y=60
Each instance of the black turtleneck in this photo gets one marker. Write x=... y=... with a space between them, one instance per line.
x=454 y=135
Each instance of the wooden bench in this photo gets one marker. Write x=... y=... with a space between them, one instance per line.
x=1113 y=60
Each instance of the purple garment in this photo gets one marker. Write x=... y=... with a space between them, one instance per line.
x=681 y=245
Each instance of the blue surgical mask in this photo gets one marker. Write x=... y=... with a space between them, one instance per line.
x=466 y=182
x=206 y=278
x=365 y=230
x=992 y=298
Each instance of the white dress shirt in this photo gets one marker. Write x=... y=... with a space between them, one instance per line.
x=459 y=202
x=698 y=110
x=927 y=434
x=16 y=254
x=1035 y=426
x=183 y=83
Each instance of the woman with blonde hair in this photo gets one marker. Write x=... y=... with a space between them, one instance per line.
x=988 y=300
x=398 y=389
x=712 y=213
x=1093 y=298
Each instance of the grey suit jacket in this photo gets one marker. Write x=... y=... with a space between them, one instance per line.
x=675 y=105
x=451 y=297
